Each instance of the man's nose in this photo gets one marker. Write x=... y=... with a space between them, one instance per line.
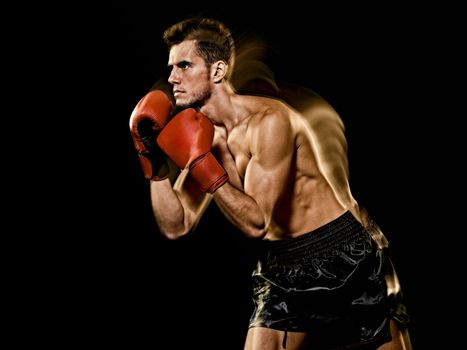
x=173 y=77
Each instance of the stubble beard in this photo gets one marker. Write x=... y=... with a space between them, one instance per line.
x=197 y=100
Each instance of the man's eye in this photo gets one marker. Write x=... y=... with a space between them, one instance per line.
x=184 y=65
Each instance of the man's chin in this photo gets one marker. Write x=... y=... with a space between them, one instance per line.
x=183 y=105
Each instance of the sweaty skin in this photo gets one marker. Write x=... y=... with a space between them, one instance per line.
x=270 y=155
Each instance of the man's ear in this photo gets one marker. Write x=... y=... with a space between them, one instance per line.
x=218 y=71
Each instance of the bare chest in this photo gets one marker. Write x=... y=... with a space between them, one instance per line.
x=238 y=143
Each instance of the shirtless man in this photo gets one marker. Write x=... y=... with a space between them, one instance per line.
x=279 y=174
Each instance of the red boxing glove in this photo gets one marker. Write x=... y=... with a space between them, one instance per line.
x=148 y=118
x=187 y=140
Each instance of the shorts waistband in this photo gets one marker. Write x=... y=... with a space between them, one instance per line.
x=334 y=233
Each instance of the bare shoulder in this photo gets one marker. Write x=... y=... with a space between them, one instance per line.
x=269 y=113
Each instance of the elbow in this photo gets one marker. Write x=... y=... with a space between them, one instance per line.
x=263 y=227
x=175 y=231
x=173 y=234
x=256 y=232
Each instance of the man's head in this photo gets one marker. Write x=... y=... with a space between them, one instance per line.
x=202 y=51
x=213 y=39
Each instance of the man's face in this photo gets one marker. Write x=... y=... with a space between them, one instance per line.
x=189 y=75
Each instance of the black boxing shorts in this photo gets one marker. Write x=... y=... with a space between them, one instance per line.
x=328 y=283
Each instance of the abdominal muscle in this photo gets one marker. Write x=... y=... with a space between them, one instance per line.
x=309 y=201
x=311 y=206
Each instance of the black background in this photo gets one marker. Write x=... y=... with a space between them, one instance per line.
x=112 y=280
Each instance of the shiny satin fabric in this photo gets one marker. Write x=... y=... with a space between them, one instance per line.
x=329 y=283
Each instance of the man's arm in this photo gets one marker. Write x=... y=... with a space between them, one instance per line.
x=187 y=140
x=266 y=179
x=178 y=209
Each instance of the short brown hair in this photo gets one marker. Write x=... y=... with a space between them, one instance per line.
x=214 y=40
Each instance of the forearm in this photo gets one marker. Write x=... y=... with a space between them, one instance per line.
x=167 y=209
x=178 y=208
x=241 y=209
